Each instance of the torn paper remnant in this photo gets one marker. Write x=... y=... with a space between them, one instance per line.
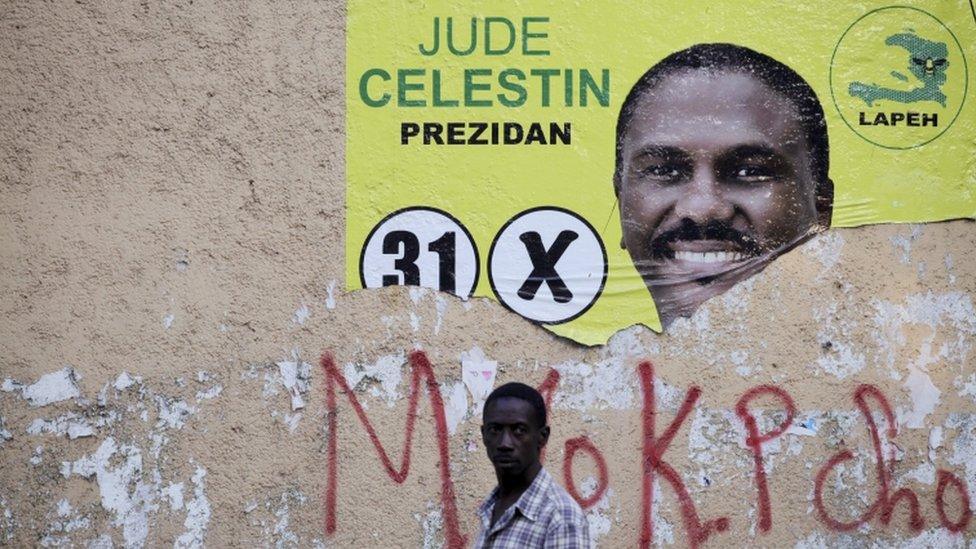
x=53 y=387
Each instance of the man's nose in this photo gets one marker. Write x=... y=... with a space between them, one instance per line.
x=703 y=199
x=506 y=440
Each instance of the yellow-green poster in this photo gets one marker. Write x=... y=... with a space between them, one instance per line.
x=600 y=164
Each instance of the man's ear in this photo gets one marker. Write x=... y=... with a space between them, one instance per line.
x=825 y=203
x=544 y=435
x=616 y=193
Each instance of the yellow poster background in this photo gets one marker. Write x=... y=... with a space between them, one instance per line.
x=485 y=186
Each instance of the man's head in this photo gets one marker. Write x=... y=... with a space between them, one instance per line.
x=514 y=428
x=721 y=165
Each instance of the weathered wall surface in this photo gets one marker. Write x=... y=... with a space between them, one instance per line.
x=172 y=219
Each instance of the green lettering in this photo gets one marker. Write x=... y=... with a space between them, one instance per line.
x=470 y=86
x=511 y=35
x=526 y=35
x=602 y=93
x=433 y=49
x=403 y=87
x=450 y=37
x=568 y=87
x=519 y=89
x=436 y=101
x=364 y=88
x=544 y=75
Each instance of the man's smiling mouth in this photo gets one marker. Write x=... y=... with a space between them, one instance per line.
x=705 y=251
x=709 y=257
x=707 y=246
x=699 y=261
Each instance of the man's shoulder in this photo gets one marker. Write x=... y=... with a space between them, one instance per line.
x=560 y=506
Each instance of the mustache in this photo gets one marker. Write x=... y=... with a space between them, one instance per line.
x=711 y=230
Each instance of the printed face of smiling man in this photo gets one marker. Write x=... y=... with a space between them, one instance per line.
x=714 y=180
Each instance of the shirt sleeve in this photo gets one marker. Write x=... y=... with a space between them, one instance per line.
x=569 y=534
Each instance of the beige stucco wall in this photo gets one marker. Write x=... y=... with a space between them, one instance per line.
x=171 y=220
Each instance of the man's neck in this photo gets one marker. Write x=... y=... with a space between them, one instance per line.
x=514 y=486
x=511 y=488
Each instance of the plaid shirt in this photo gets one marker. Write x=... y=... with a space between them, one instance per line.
x=544 y=516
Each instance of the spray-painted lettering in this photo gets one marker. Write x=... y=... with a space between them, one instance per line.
x=951 y=493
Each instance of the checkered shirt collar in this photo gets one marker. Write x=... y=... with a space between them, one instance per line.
x=529 y=503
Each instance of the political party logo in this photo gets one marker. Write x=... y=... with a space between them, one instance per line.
x=898 y=77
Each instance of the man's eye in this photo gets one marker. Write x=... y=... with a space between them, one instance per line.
x=753 y=174
x=661 y=172
x=520 y=430
x=494 y=429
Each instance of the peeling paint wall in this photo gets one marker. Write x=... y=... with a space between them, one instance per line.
x=172 y=190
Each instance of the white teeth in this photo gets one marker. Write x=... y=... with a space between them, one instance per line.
x=709 y=257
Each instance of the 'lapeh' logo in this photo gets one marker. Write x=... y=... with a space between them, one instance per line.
x=898 y=77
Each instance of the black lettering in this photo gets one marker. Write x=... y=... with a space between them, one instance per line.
x=535 y=135
x=479 y=128
x=502 y=133
x=561 y=134
x=455 y=133
x=544 y=265
x=910 y=119
x=444 y=248
x=432 y=131
x=406 y=263
x=408 y=130
x=513 y=133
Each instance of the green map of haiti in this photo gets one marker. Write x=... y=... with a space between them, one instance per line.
x=926 y=60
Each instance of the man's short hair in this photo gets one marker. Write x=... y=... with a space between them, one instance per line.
x=777 y=76
x=523 y=392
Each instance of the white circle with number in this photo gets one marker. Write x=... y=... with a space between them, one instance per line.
x=420 y=246
x=548 y=265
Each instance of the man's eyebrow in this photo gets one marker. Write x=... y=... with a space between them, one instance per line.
x=663 y=151
x=746 y=150
x=506 y=424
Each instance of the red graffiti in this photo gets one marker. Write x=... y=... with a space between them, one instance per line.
x=946 y=478
x=885 y=502
x=653 y=449
x=755 y=440
x=583 y=444
x=547 y=388
x=818 y=485
x=653 y=462
x=421 y=371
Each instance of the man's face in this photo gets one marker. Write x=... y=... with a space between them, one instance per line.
x=715 y=178
x=512 y=435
